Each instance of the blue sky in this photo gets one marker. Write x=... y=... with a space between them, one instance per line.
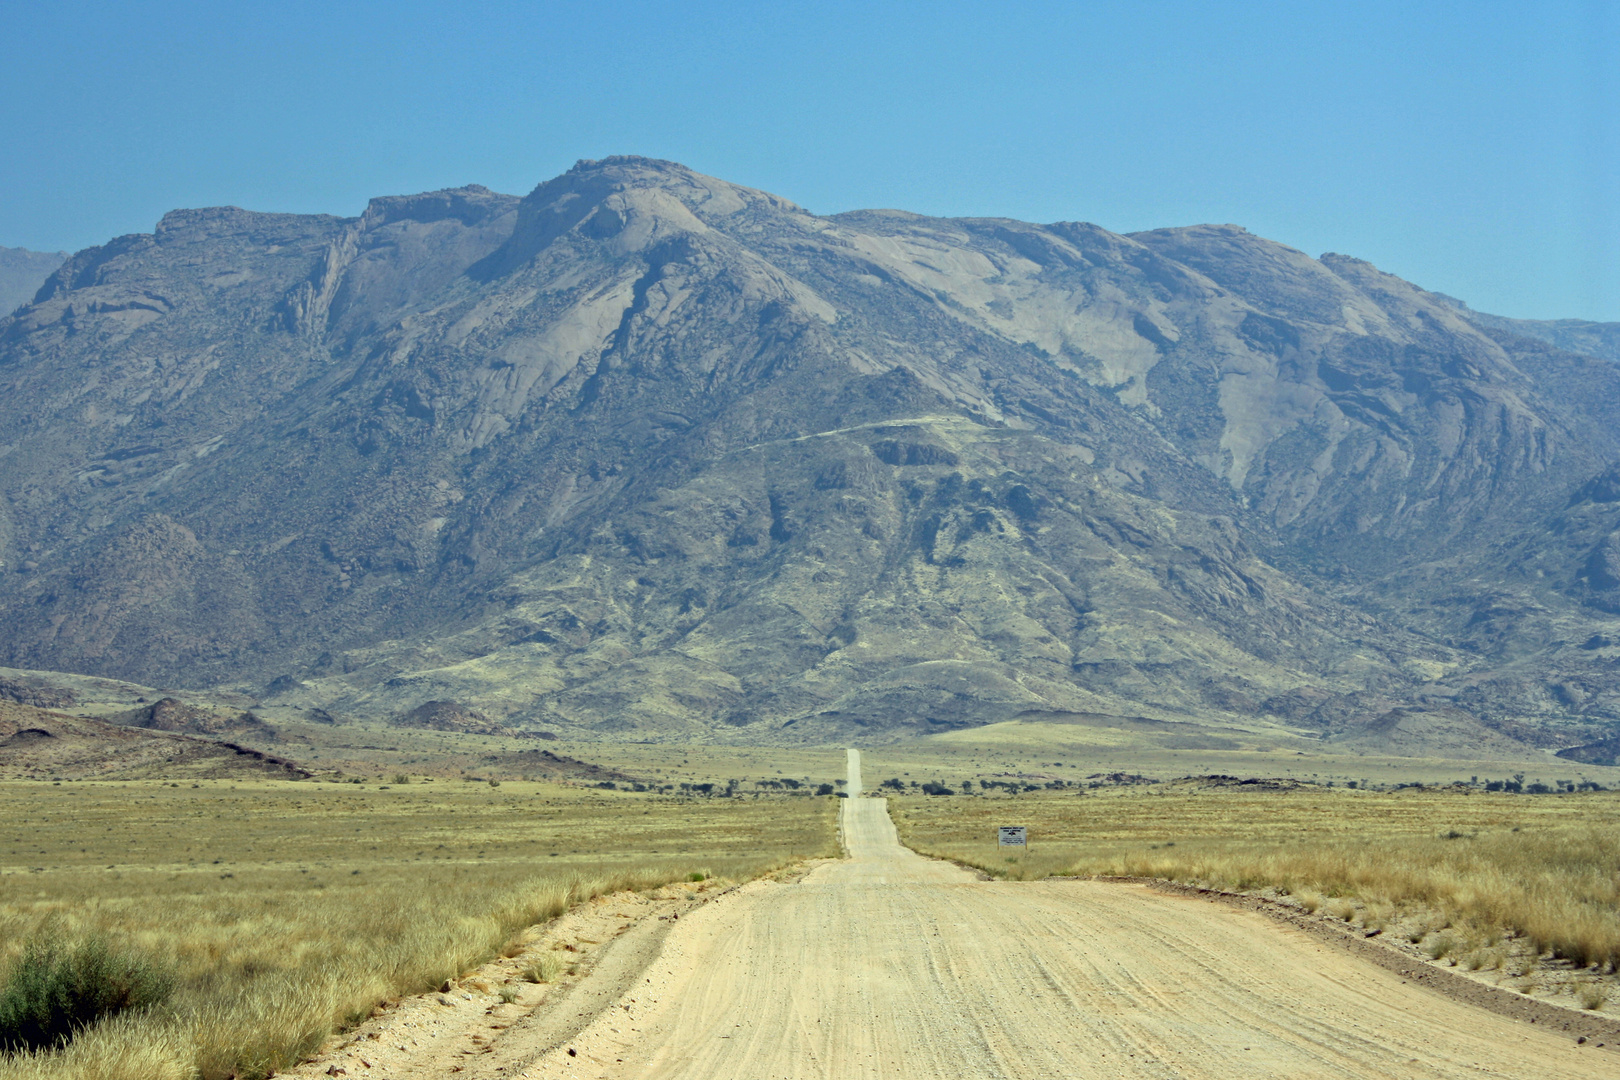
x=1471 y=147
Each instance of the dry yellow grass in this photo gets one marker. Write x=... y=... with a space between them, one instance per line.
x=291 y=909
x=1539 y=867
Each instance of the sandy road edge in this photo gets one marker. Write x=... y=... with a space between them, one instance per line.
x=1457 y=987
x=600 y=1042
x=474 y=1032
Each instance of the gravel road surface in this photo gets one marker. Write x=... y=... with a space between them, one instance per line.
x=887 y=964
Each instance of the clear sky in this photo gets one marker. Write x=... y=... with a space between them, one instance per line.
x=1473 y=148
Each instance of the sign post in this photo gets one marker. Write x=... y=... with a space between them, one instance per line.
x=1012 y=836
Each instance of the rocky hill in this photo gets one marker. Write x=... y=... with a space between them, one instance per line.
x=645 y=454
x=36 y=744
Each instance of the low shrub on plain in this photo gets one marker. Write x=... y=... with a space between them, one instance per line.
x=56 y=989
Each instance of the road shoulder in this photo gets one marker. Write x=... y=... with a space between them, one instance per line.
x=1597 y=1029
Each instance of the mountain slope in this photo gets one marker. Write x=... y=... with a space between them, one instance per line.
x=1582 y=336
x=648 y=454
x=22 y=272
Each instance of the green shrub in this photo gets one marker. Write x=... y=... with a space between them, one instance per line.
x=56 y=989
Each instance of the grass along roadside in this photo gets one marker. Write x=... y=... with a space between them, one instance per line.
x=288 y=910
x=1524 y=890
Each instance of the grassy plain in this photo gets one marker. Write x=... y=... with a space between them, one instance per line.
x=290 y=909
x=1521 y=885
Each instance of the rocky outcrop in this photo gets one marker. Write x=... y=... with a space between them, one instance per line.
x=172 y=714
x=445 y=716
x=37 y=744
x=41 y=697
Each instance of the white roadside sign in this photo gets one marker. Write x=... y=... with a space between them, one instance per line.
x=1013 y=835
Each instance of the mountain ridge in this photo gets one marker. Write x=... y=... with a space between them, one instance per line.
x=647 y=454
x=21 y=273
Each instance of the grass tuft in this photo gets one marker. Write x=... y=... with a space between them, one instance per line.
x=544 y=970
x=1440 y=946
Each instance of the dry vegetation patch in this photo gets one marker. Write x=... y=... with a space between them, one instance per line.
x=1523 y=890
x=287 y=910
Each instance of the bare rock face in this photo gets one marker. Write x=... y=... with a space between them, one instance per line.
x=645 y=454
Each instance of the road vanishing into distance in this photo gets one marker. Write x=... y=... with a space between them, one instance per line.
x=886 y=964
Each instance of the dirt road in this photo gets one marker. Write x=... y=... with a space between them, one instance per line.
x=887 y=964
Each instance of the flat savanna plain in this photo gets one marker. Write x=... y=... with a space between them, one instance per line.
x=289 y=910
x=1519 y=890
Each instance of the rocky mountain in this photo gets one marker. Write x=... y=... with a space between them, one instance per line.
x=22 y=272
x=1582 y=336
x=645 y=454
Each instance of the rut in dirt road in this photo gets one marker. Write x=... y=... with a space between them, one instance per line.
x=887 y=964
